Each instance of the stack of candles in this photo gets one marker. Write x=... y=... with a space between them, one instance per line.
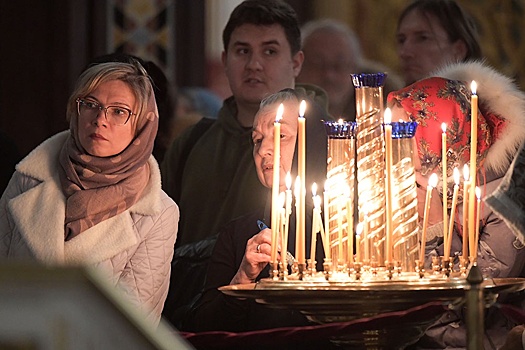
x=280 y=214
x=470 y=210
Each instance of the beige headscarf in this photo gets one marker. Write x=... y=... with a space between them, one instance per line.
x=98 y=188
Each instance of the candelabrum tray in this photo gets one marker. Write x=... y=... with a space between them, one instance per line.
x=338 y=301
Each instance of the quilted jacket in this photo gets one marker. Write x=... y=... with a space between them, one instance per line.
x=133 y=249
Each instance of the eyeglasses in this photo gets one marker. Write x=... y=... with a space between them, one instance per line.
x=115 y=115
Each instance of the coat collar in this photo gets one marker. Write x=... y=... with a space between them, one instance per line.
x=39 y=212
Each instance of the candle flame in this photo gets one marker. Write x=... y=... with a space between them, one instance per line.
x=473 y=87
x=433 y=181
x=387 y=116
x=478 y=193
x=314 y=189
x=280 y=112
x=302 y=108
x=359 y=229
x=444 y=127
x=340 y=121
x=466 y=173
x=456 y=175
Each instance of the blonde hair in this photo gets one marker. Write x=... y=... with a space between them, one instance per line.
x=133 y=74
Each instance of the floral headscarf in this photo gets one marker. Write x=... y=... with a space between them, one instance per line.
x=433 y=101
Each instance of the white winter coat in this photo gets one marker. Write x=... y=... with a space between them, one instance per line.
x=134 y=249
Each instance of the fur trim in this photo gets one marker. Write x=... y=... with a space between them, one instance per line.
x=499 y=95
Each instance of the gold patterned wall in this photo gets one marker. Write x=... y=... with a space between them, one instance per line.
x=501 y=24
x=144 y=28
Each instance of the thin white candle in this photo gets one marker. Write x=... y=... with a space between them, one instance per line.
x=387 y=118
x=358 y=231
x=350 y=226
x=432 y=183
x=366 y=225
x=466 y=189
x=448 y=241
x=478 y=213
x=320 y=227
x=282 y=223
x=340 y=228
x=276 y=180
x=445 y=189
x=473 y=160
x=297 y=194
x=315 y=227
x=327 y=250
x=287 y=204
x=301 y=137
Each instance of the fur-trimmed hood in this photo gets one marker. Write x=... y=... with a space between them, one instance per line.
x=499 y=95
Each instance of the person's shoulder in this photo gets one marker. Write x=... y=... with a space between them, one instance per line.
x=315 y=93
x=393 y=82
x=42 y=162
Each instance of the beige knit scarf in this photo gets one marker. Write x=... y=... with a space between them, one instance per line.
x=98 y=188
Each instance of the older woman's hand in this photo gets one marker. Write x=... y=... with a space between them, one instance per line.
x=256 y=257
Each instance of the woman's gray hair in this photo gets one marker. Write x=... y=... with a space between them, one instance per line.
x=279 y=97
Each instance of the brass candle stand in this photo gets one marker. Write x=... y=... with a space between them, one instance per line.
x=362 y=294
x=370 y=267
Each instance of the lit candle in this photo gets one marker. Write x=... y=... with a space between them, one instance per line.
x=320 y=227
x=287 y=204
x=276 y=180
x=327 y=251
x=473 y=157
x=432 y=183
x=315 y=227
x=466 y=188
x=388 y=185
x=445 y=190
x=297 y=194
x=282 y=229
x=448 y=241
x=340 y=228
x=478 y=212
x=366 y=224
x=301 y=136
x=358 y=231
x=350 y=227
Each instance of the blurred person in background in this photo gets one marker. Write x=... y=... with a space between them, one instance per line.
x=332 y=53
x=433 y=33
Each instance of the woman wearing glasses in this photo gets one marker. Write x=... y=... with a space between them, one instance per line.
x=91 y=195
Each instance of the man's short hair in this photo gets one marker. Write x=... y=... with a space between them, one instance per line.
x=265 y=13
